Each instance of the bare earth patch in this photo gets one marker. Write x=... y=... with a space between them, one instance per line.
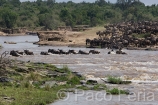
x=75 y=38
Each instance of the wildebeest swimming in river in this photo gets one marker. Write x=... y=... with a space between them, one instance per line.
x=94 y=52
x=117 y=52
x=62 y=52
x=72 y=52
x=111 y=52
x=44 y=53
x=27 y=52
x=16 y=53
x=83 y=52
x=59 y=51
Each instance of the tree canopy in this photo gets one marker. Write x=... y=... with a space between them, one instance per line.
x=50 y=14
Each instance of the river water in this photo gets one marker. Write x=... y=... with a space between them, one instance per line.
x=137 y=65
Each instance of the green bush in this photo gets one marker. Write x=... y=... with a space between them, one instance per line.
x=116 y=91
x=116 y=80
x=74 y=81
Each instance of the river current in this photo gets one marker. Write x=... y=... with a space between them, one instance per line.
x=137 y=65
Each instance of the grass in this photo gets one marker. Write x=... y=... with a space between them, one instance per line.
x=116 y=91
x=26 y=86
x=74 y=81
x=25 y=96
x=93 y=31
x=97 y=87
x=116 y=80
x=83 y=87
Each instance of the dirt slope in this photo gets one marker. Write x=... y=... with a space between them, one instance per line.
x=75 y=38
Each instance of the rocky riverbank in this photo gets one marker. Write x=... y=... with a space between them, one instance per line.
x=38 y=83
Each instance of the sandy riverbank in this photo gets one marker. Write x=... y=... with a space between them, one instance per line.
x=75 y=38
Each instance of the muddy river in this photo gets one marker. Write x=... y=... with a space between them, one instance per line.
x=137 y=66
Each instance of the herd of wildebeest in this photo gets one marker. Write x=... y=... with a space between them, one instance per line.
x=127 y=34
x=53 y=51
x=115 y=36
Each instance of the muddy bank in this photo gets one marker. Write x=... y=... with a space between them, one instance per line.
x=146 y=49
x=70 y=44
x=57 y=43
x=18 y=34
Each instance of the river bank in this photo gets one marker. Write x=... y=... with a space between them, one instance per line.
x=139 y=66
x=28 y=83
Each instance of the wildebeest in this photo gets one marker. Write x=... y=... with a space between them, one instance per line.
x=44 y=53
x=27 y=52
x=16 y=53
x=62 y=52
x=126 y=34
x=111 y=52
x=72 y=52
x=120 y=52
x=94 y=52
x=53 y=51
x=82 y=52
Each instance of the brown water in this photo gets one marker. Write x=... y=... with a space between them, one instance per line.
x=137 y=66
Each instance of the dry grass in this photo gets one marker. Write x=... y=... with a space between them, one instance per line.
x=92 y=33
x=80 y=37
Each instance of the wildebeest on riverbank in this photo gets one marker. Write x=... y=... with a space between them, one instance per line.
x=126 y=34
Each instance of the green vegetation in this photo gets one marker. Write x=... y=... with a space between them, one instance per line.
x=26 y=83
x=96 y=87
x=49 y=14
x=116 y=91
x=24 y=88
x=115 y=80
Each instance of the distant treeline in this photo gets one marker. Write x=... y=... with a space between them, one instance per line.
x=49 y=14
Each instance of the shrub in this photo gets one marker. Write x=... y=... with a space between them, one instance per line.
x=74 y=81
x=116 y=91
x=114 y=80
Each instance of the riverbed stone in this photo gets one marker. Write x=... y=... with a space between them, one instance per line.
x=77 y=74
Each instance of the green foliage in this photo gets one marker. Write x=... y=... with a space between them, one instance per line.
x=99 y=87
x=9 y=17
x=2 y=2
x=83 y=87
x=115 y=80
x=50 y=15
x=45 y=20
x=116 y=91
x=74 y=81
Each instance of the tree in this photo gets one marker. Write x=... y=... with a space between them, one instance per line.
x=50 y=2
x=48 y=21
x=65 y=16
x=9 y=17
x=100 y=2
x=2 y=2
x=15 y=3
